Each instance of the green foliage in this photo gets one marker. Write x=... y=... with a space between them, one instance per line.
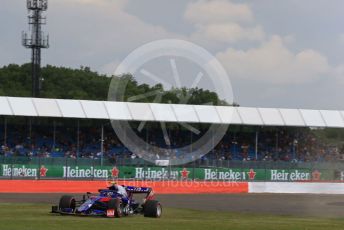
x=331 y=136
x=83 y=83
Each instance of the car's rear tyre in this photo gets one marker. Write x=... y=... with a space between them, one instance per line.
x=115 y=204
x=67 y=202
x=152 y=208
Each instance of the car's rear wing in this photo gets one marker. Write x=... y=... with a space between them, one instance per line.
x=134 y=189
x=130 y=189
x=142 y=190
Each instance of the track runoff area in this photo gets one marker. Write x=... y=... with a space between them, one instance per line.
x=173 y=187
x=25 y=210
x=25 y=204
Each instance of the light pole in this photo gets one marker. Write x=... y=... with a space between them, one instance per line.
x=36 y=40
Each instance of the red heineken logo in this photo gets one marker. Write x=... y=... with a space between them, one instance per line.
x=184 y=173
x=316 y=175
x=251 y=174
x=43 y=171
x=115 y=172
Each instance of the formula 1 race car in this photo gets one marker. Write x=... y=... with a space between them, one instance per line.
x=114 y=201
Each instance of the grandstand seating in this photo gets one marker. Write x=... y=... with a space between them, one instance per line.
x=236 y=146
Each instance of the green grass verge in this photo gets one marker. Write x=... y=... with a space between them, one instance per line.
x=35 y=217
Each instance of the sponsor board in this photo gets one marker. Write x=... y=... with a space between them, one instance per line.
x=171 y=173
x=289 y=175
x=215 y=174
x=76 y=172
x=156 y=173
x=15 y=170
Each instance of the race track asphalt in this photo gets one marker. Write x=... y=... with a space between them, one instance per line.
x=281 y=204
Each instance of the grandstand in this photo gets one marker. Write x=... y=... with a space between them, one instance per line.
x=260 y=141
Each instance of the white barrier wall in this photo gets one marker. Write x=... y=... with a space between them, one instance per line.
x=296 y=187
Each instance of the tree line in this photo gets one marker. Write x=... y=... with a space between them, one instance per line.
x=83 y=83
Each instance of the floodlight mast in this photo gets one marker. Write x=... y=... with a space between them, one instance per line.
x=36 y=41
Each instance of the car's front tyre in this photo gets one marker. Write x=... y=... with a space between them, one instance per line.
x=67 y=204
x=115 y=204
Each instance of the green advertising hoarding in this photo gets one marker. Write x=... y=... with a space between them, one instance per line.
x=164 y=173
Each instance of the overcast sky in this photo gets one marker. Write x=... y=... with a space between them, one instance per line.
x=277 y=53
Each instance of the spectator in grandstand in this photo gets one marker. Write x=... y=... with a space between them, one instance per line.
x=273 y=146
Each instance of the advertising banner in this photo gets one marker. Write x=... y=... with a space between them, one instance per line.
x=167 y=173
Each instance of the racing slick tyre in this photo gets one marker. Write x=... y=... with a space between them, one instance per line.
x=67 y=202
x=115 y=204
x=152 y=208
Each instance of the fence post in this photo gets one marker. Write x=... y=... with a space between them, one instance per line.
x=93 y=166
x=66 y=165
x=265 y=172
x=144 y=169
x=11 y=177
x=193 y=170
x=39 y=168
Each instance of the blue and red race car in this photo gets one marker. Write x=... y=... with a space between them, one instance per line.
x=114 y=201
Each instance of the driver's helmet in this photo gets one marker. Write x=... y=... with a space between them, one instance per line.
x=113 y=186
